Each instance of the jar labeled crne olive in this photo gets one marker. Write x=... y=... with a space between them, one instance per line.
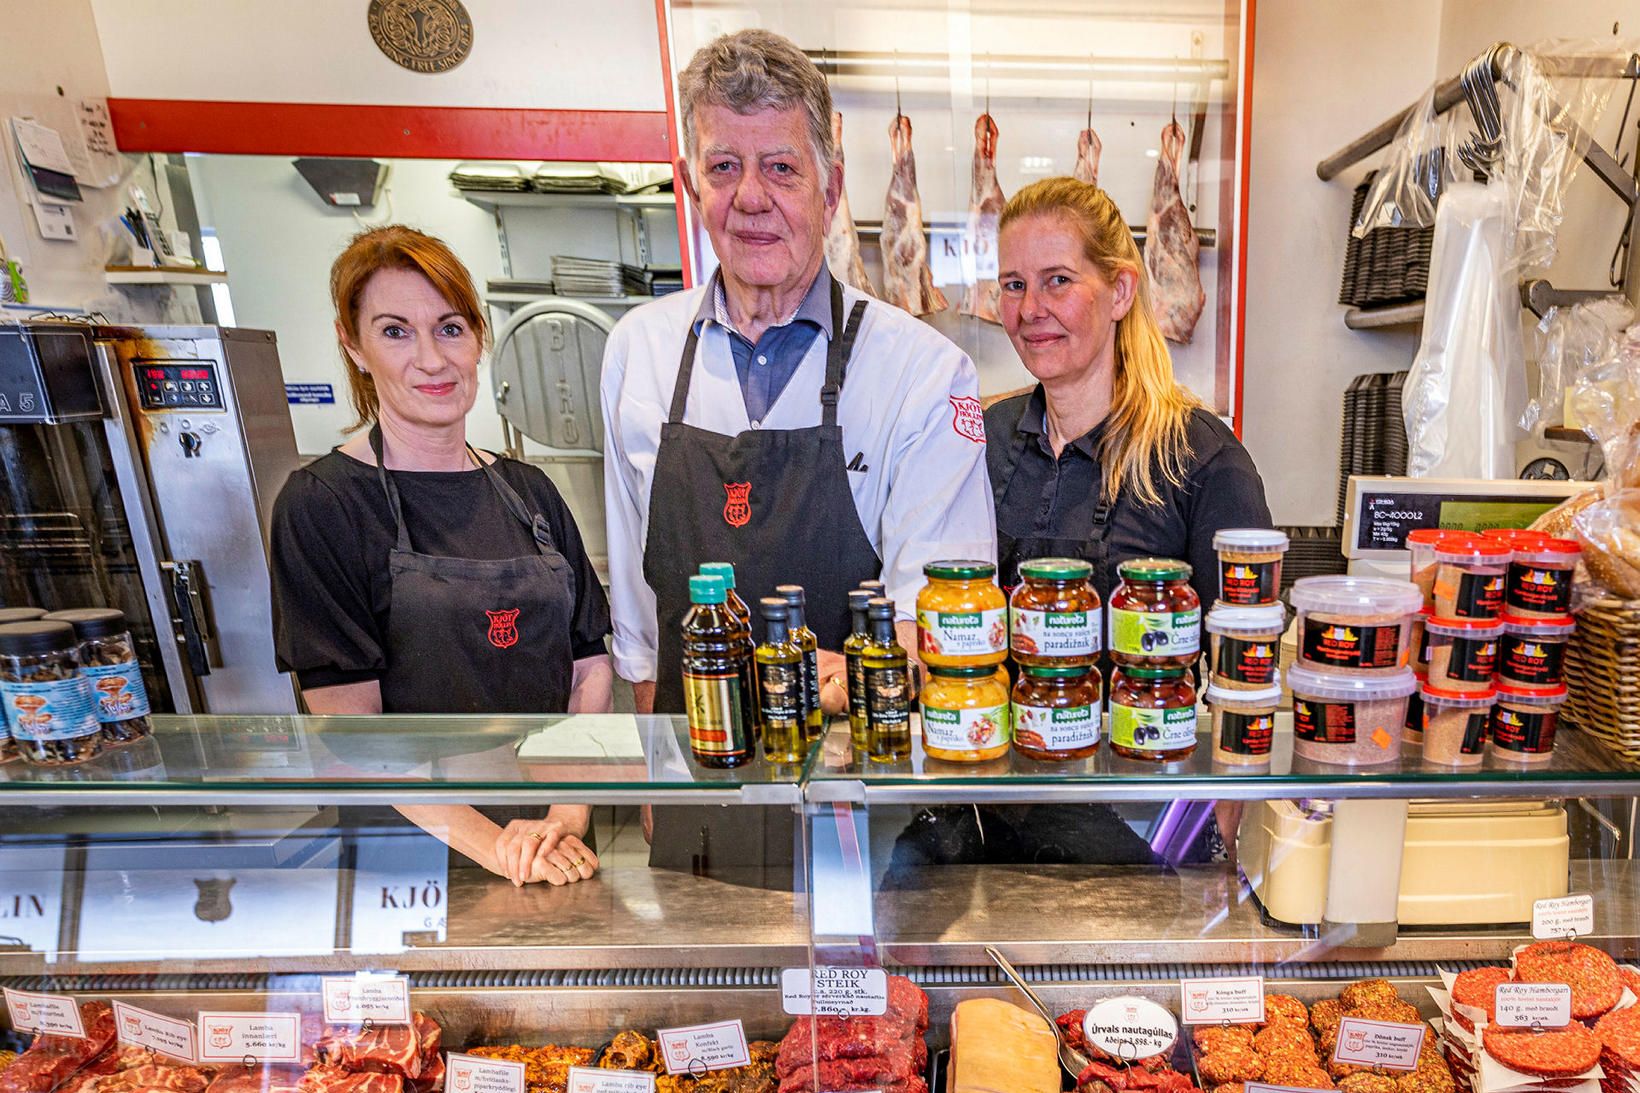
x=109 y=660
x=962 y=617
x=965 y=714
x=1155 y=616
x=48 y=700
x=1057 y=712
x=1152 y=713
x=1053 y=615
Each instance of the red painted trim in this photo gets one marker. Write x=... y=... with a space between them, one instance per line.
x=664 y=30
x=1246 y=161
x=411 y=132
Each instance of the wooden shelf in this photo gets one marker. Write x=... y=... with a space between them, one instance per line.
x=493 y=198
x=163 y=275
x=1371 y=318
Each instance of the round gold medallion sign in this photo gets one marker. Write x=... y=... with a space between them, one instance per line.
x=422 y=35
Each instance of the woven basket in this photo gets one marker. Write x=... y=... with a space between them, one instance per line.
x=1603 y=674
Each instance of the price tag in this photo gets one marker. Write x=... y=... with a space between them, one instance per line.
x=154 y=1031
x=698 y=1048
x=1566 y=917
x=56 y=1014
x=584 y=1079
x=234 y=1037
x=1389 y=1044
x=471 y=1074
x=382 y=999
x=1533 y=1005
x=838 y=992
x=1238 y=1000
x=1130 y=1028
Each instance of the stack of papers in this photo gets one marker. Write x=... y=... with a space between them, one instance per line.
x=651 y=280
x=600 y=178
x=502 y=177
x=587 y=276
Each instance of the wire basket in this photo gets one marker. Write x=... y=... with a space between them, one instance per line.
x=1603 y=674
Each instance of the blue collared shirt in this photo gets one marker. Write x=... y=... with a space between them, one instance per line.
x=765 y=367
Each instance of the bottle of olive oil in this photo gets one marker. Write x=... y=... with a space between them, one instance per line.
x=888 y=688
x=731 y=599
x=721 y=711
x=814 y=722
x=743 y=617
x=780 y=687
x=876 y=588
x=853 y=645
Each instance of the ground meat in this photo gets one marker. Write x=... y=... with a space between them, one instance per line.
x=1214 y=1037
x=1592 y=975
x=1326 y=1014
x=1426 y=1081
x=1399 y=1012
x=1278 y=1040
x=1478 y=989
x=1619 y=1033
x=1284 y=1007
x=1365 y=1081
x=1230 y=1064
x=1558 y=1053
x=1365 y=991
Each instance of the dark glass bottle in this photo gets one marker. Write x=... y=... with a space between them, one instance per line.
x=814 y=722
x=721 y=710
x=888 y=688
x=743 y=616
x=876 y=588
x=780 y=687
x=853 y=648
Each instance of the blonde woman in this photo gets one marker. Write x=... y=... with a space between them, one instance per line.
x=1107 y=458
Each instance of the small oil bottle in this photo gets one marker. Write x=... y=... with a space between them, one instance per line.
x=888 y=688
x=814 y=722
x=780 y=687
x=876 y=588
x=853 y=646
x=743 y=616
x=721 y=712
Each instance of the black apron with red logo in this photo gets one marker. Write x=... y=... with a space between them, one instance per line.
x=776 y=503
x=1093 y=548
x=477 y=635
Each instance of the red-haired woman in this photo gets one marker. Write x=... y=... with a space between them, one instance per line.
x=413 y=573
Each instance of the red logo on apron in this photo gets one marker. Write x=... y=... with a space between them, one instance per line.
x=968 y=418
x=738 y=509
x=503 y=632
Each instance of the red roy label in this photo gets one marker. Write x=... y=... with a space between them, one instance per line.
x=1244 y=583
x=1474 y=660
x=1528 y=733
x=1324 y=722
x=1343 y=645
x=1539 y=588
x=1247 y=661
x=1529 y=659
x=1247 y=733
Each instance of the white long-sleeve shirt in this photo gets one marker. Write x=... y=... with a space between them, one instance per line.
x=909 y=411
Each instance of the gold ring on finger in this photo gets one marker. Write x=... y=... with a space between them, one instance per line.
x=536 y=835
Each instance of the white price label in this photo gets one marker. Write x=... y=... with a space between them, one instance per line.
x=1389 y=1044
x=154 y=1031
x=1533 y=1005
x=56 y=1014
x=1566 y=917
x=471 y=1074
x=1130 y=1028
x=697 y=1048
x=1238 y=1000
x=233 y=1037
x=382 y=999
x=838 y=992
x=584 y=1079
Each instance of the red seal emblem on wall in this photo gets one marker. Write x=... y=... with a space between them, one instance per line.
x=737 y=510
x=968 y=418
x=503 y=628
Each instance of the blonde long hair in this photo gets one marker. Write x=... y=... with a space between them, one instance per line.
x=1146 y=429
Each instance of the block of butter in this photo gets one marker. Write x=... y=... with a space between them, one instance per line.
x=1000 y=1048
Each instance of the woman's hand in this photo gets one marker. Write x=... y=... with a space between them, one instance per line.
x=530 y=851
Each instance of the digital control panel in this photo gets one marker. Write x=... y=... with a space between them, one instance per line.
x=170 y=385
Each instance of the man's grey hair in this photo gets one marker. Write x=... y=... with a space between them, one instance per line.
x=753 y=70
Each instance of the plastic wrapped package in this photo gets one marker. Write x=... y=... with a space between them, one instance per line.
x=1603 y=400
x=1420 y=167
x=1467 y=386
x=1609 y=530
x=1570 y=343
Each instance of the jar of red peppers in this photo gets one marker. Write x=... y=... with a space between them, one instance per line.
x=1155 y=616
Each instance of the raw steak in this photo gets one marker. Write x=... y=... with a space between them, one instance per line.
x=153 y=1076
x=907 y=280
x=982 y=298
x=1087 y=157
x=1171 y=248
x=330 y=1079
x=262 y=1079
x=51 y=1060
x=408 y=1050
x=842 y=241
x=842 y=1074
x=839 y=1039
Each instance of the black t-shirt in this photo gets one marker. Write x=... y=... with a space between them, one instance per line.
x=1057 y=497
x=332 y=531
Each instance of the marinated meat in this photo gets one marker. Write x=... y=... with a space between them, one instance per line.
x=1556 y=1053
x=546 y=1068
x=983 y=297
x=331 y=1079
x=907 y=280
x=407 y=1050
x=870 y=1073
x=1591 y=973
x=154 y=1076
x=267 y=1079
x=1088 y=148
x=842 y=240
x=1171 y=247
x=855 y=1038
x=52 y=1060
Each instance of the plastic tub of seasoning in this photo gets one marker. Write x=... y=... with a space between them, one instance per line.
x=1057 y=713
x=1532 y=651
x=1456 y=724
x=1243 y=724
x=1539 y=584
x=1463 y=653
x=47 y=699
x=965 y=714
x=1421 y=546
x=1469 y=575
x=1412 y=733
x=1420 y=641
x=1349 y=720
x=109 y=659
x=1152 y=713
x=962 y=616
x=1054 y=616
x=1249 y=565
x=1155 y=616
x=1355 y=624
x=1523 y=723
x=1244 y=646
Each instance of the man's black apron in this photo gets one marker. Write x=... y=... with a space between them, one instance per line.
x=776 y=503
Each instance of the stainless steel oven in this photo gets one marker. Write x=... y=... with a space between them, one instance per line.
x=140 y=466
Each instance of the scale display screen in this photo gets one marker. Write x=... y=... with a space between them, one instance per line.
x=1387 y=516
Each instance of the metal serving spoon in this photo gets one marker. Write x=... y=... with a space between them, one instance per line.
x=1072 y=1060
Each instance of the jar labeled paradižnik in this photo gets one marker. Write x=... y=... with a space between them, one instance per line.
x=1155 y=616
x=1056 y=713
x=965 y=714
x=48 y=701
x=1053 y=615
x=962 y=617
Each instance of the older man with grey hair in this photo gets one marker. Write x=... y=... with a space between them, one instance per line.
x=772 y=417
